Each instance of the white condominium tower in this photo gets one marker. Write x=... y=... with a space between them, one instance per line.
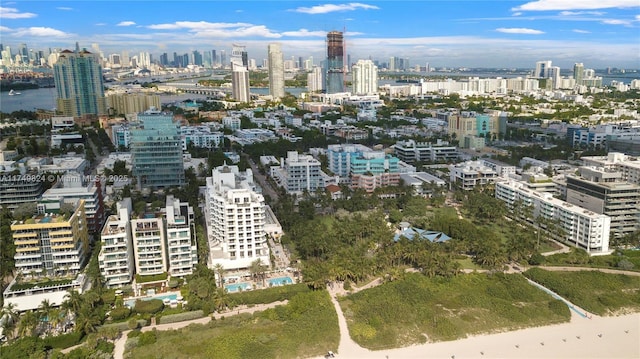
x=116 y=253
x=276 y=71
x=181 y=243
x=149 y=246
x=235 y=216
x=365 y=78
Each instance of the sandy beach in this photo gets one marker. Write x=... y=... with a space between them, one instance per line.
x=598 y=337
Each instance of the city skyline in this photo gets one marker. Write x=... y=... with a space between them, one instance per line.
x=441 y=33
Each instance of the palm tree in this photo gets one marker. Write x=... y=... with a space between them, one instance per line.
x=55 y=318
x=87 y=320
x=219 y=270
x=221 y=299
x=44 y=312
x=28 y=324
x=10 y=317
x=73 y=301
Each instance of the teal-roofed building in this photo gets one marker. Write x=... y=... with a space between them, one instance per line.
x=370 y=170
x=156 y=151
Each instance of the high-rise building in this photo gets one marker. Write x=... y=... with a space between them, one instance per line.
x=239 y=56
x=79 y=83
x=542 y=69
x=149 y=245
x=156 y=151
x=605 y=191
x=365 y=78
x=51 y=244
x=223 y=58
x=116 y=260
x=125 y=59
x=578 y=72
x=240 y=83
x=276 y=71
x=197 y=58
x=235 y=215
x=335 y=62
x=214 y=58
x=315 y=79
x=164 y=59
x=181 y=242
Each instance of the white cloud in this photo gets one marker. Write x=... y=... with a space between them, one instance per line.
x=197 y=25
x=5 y=29
x=519 y=30
x=574 y=13
x=126 y=23
x=100 y=24
x=305 y=33
x=40 y=32
x=13 y=13
x=581 y=31
x=545 y=5
x=327 y=8
x=616 y=22
x=249 y=31
x=64 y=8
x=220 y=29
x=516 y=14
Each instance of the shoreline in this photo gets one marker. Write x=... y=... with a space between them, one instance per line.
x=598 y=337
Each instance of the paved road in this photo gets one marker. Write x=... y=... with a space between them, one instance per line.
x=262 y=181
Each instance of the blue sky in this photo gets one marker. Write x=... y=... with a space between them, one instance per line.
x=452 y=33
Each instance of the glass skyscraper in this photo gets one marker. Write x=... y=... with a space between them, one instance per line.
x=78 y=80
x=156 y=151
x=335 y=62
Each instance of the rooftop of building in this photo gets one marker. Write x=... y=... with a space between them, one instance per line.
x=548 y=197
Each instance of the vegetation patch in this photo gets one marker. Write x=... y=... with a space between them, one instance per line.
x=306 y=326
x=148 y=306
x=402 y=312
x=151 y=278
x=181 y=317
x=597 y=292
x=268 y=295
x=620 y=259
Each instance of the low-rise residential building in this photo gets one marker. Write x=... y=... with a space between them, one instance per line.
x=422 y=182
x=200 y=136
x=71 y=187
x=628 y=166
x=116 y=259
x=503 y=169
x=19 y=185
x=579 y=227
x=470 y=174
x=540 y=182
x=411 y=151
x=298 y=173
x=339 y=157
x=371 y=170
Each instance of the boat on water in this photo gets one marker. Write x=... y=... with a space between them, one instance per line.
x=13 y=93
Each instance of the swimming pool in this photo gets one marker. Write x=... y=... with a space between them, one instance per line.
x=132 y=302
x=279 y=281
x=237 y=286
